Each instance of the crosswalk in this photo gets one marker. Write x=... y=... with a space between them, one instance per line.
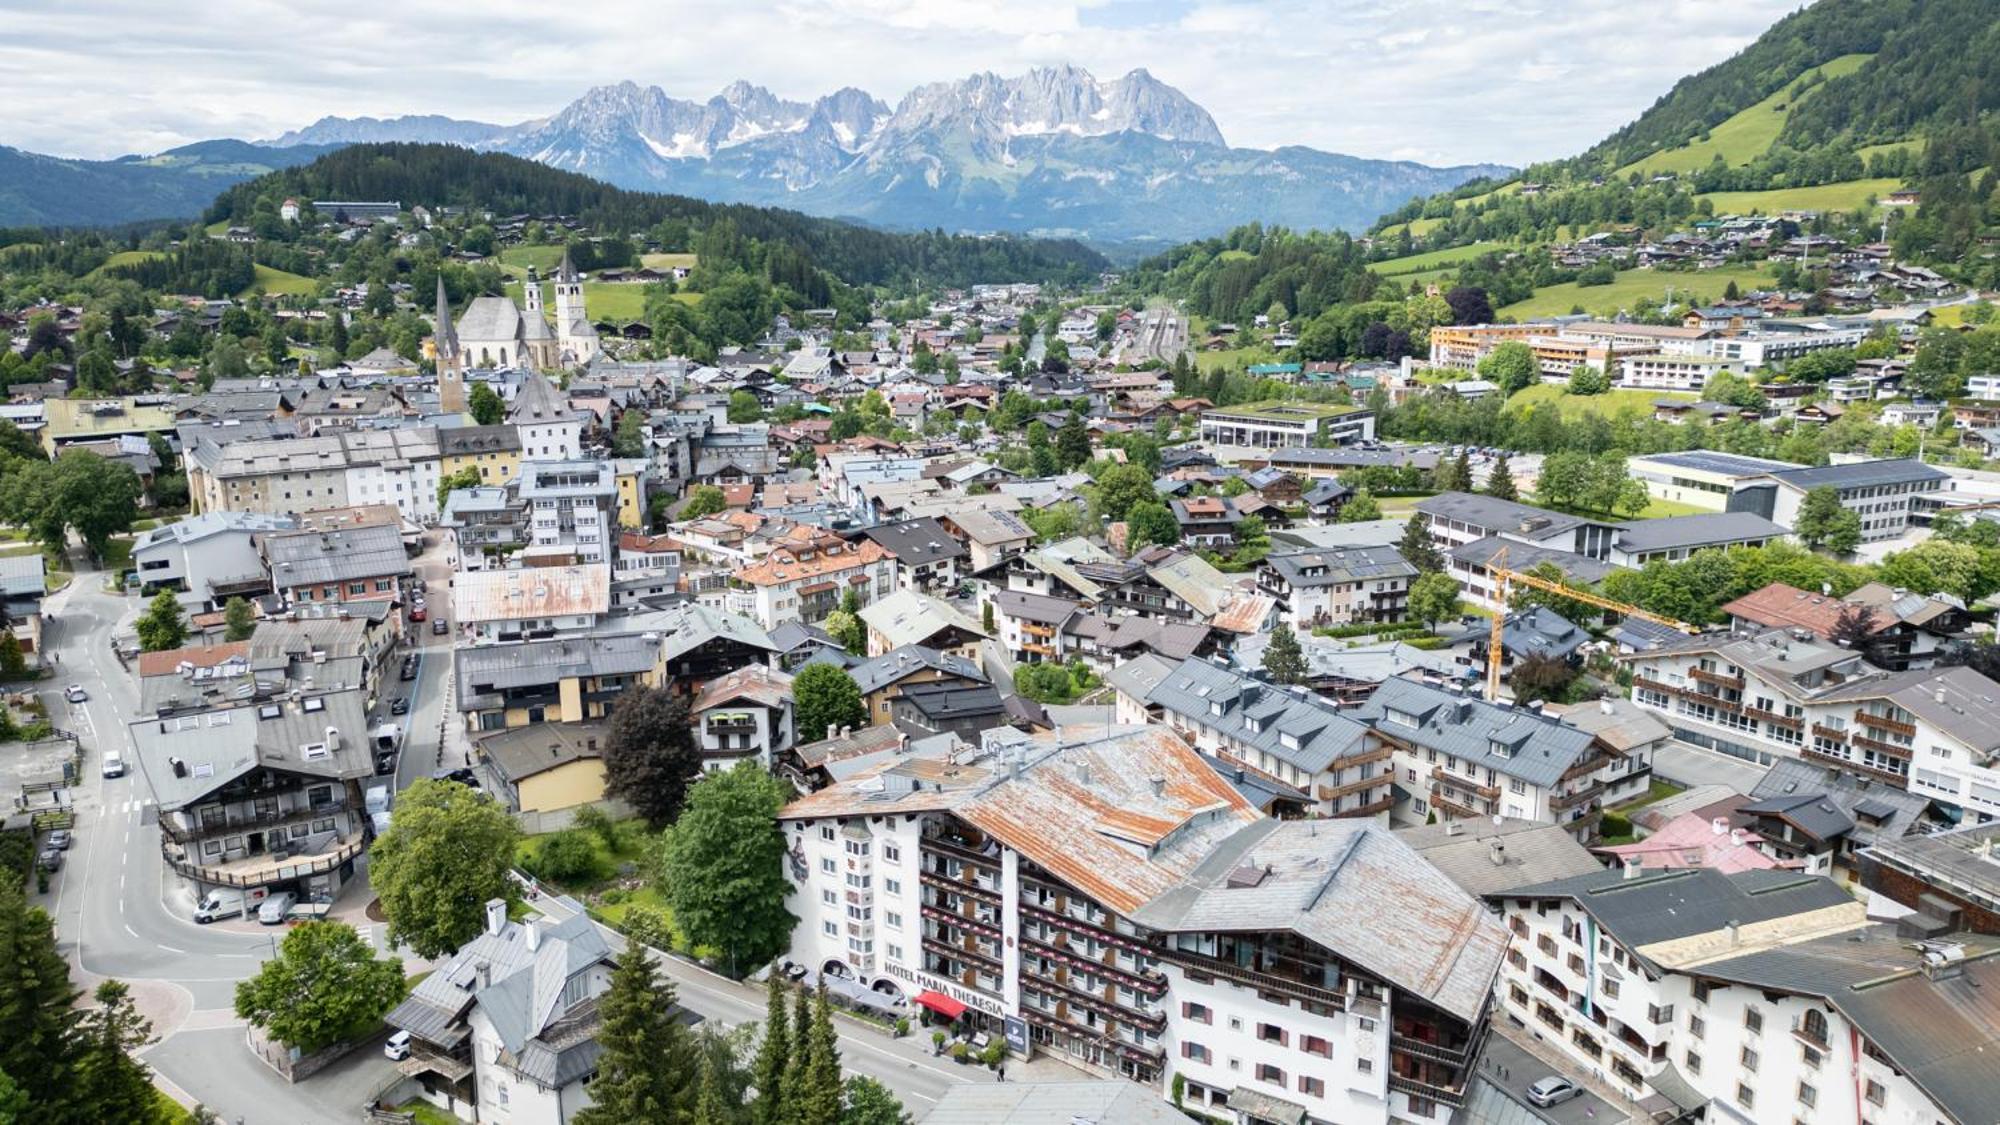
x=130 y=806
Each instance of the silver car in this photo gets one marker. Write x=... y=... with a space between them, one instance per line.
x=1553 y=1090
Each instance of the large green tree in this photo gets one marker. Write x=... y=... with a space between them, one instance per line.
x=163 y=626
x=112 y=1085
x=1360 y=506
x=825 y=697
x=79 y=491
x=448 y=851
x=1500 y=479
x=767 y=1072
x=819 y=1100
x=1417 y=549
x=239 y=621
x=485 y=405
x=648 y=1072
x=866 y=1101
x=449 y=483
x=325 y=985
x=704 y=500
x=41 y=1043
x=1433 y=597
x=1284 y=657
x=1151 y=522
x=1824 y=522
x=1512 y=365
x=650 y=755
x=722 y=866
x=1072 y=442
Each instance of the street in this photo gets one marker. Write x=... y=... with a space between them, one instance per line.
x=119 y=914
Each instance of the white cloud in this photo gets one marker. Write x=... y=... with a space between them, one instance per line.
x=1475 y=80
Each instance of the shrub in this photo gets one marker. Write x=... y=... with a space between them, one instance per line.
x=938 y=1038
x=567 y=856
x=902 y=1026
x=1614 y=824
x=994 y=1052
x=598 y=823
x=960 y=1052
x=648 y=926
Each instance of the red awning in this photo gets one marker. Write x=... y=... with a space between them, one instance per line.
x=941 y=1004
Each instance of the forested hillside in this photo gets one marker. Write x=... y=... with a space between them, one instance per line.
x=447 y=176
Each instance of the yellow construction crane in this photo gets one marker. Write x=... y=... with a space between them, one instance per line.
x=1503 y=578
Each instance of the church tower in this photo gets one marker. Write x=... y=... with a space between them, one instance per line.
x=575 y=336
x=450 y=360
x=531 y=294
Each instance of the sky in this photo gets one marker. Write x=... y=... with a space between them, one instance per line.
x=1441 y=81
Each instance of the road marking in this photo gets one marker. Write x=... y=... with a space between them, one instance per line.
x=171 y=949
x=130 y=930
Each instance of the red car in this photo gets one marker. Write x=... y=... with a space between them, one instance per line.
x=417 y=613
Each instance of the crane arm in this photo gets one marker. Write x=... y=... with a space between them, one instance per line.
x=1503 y=578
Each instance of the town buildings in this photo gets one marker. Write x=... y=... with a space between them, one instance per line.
x=1278 y=424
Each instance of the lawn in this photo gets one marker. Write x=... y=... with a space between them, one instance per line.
x=1611 y=404
x=633 y=841
x=663 y=261
x=620 y=301
x=278 y=283
x=1745 y=136
x=1634 y=285
x=125 y=258
x=1843 y=196
x=425 y=1113
x=1435 y=259
x=543 y=258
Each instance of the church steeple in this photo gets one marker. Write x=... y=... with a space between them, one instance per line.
x=450 y=361
x=566 y=272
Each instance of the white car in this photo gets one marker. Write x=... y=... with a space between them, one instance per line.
x=398 y=1046
x=114 y=764
x=74 y=693
x=1553 y=1090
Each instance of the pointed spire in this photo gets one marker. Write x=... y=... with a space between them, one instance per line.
x=447 y=336
x=566 y=272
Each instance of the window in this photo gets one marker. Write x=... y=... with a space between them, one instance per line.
x=1753 y=1021
x=1199 y=1013
x=1365 y=1066
x=1750 y=1059
x=892 y=886
x=1875 y=1093
x=1610 y=987
x=1697 y=1026
x=829 y=898
x=1272 y=1033
x=891 y=854
x=1745 y=1096
x=1197 y=1052
x=1314 y=1087
x=1268 y=1073
x=828 y=866
x=1807 y=1095
x=1811 y=1057
x=1693 y=1063
x=1701 y=991
x=830 y=929
x=1314 y=1045
x=826 y=832
x=892 y=919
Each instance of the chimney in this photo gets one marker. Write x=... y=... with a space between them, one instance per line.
x=1632 y=868
x=1826 y=589
x=1083 y=772
x=833 y=730
x=1604 y=706
x=902 y=743
x=484 y=971
x=1159 y=785
x=1735 y=929
x=534 y=935
x=1719 y=825
x=1496 y=851
x=1736 y=837
x=496 y=915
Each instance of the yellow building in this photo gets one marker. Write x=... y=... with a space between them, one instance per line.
x=560 y=680
x=549 y=767
x=493 y=450
x=631 y=474
x=93 y=419
x=884 y=678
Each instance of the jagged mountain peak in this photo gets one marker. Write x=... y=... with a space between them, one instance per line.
x=1056 y=99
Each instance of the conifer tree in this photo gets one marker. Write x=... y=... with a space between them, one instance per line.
x=821 y=1103
x=1500 y=484
x=796 y=1088
x=40 y=1043
x=709 y=1108
x=112 y=1085
x=1284 y=658
x=773 y=1056
x=646 y=1075
x=1418 y=550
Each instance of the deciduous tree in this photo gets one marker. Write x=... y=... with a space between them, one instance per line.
x=325 y=985
x=163 y=626
x=239 y=621
x=484 y=404
x=1361 y=506
x=704 y=500
x=1433 y=597
x=1824 y=522
x=722 y=866
x=1151 y=522
x=447 y=853
x=825 y=697
x=650 y=756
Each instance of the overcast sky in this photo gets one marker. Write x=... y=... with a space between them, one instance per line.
x=1443 y=81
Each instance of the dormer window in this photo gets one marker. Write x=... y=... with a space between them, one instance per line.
x=1499 y=748
x=1399 y=718
x=1215 y=707
x=1288 y=740
x=1256 y=725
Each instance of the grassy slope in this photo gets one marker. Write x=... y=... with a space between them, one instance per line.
x=1845 y=196
x=1634 y=285
x=606 y=300
x=1611 y=404
x=126 y=258
x=278 y=283
x=1434 y=260
x=667 y=261
x=1745 y=136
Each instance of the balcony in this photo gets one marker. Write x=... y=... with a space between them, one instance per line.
x=963 y=949
x=962 y=848
x=1705 y=676
x=1824 y=731
x=1154 y=1019
x=1440 y=774
x=1336 y=792
x=971 y=888
x=1143 y=981
x=1773 y=717
x=213 y=827
x=1565 y=801
x=1436 y=1052
x=1456 y=806
x=1810 y=1036
x=1883 y=722
x=1881 y=747
x=1269 y=982
x=262 y=870
x=1443 y=1095
x=425 y=1059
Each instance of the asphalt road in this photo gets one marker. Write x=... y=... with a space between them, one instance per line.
x=120 y=913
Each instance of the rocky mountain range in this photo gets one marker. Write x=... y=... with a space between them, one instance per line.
x=1055 y=151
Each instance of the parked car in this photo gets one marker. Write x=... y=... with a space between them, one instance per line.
x=398 y=1046
x=1553 y=1090
x=401 y=706
x=410 y=667
x=463 y=775
x=439 y=626
x=74 y=693
x=50 y=859
x=114 y=764
x=59 y=840
x=417 y=613
x=276 y=907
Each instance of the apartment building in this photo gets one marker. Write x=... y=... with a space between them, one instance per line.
x=1458 y=518
x=494 y=452
x=550 y=430
x=1903 y=629
x=1460 y=757
x=1289 y=735
x=1116 y=901
x=572 y=508
x=745 y=715
x=558 y=680
x=1882 y=493
x=1342 y=586
x=1278 y=424
x=281 y=476
x=808 y=572
x=363 y=563
x=1772 y=349
x=1703 y=478
x=487 y=525
x=1784 y=694
x=490 y=606
x=1660 y=371
x=1764 y=995
x=1675 y=538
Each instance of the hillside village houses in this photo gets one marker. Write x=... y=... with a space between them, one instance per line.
x=1271 y=902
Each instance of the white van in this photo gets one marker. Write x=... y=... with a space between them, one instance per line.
x=276 y=908
x=114 y=764
x=220 y=903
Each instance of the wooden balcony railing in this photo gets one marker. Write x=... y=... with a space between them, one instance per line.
x=1440 y=774
x=1883 y=722
x=1716 y=678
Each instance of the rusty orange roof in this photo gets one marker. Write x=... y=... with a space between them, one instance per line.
x=1781 y=606
x=1244 y=613
x=648 y=544
x=806 y=552
x=201 y=656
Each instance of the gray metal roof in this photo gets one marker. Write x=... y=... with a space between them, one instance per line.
x=690 y=625
x=1541 y=631
x=312 y=558
x=1651 y=906
x=1941 y=1031
x=1295 y=726
x=1101 y=1102
x=1526 y=556
x=1710 y=461
x=1512 y=742
x=916 y=542
x=486 y=669
x=539 y=747
x=874 y=675
x=1499 y=516
x=1351 y=887
x=1704 y=530
x=1488 y=858
x=1047 y=609
x=1862 y=474
x=523 y=990
x=1314 y=567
